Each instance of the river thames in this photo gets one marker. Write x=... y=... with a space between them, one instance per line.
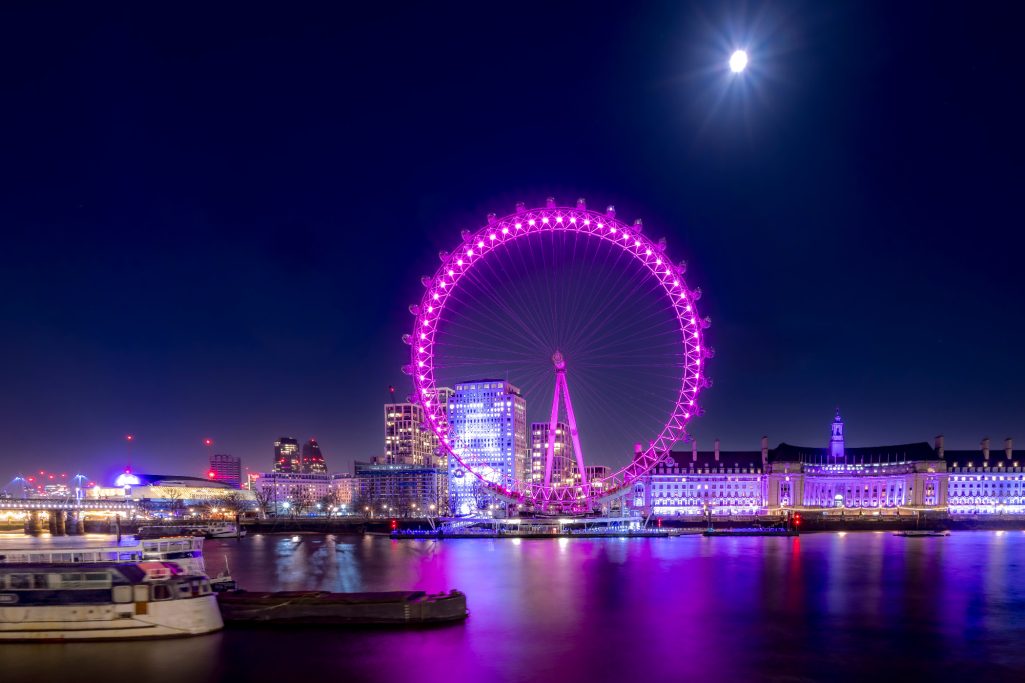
x=822 y=607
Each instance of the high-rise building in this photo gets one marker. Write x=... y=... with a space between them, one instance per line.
x=226 y=468
x=407 y=440
x=313 y=458
x=286 y=455
x=488 y=420
x=564 y=462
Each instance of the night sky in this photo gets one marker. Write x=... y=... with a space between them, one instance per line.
x=215 y=216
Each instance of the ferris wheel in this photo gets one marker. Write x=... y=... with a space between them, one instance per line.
x=558 y=302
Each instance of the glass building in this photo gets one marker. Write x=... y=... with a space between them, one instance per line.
x=313 y=458
x=286 y=455
x=488 y=421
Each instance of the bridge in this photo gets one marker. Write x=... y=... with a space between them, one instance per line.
x=64 y=517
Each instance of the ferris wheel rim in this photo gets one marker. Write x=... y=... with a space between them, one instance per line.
x=474 y=248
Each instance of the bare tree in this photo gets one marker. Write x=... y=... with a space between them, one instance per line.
x=263 y=501
x=300 y=500
x=175 y=500
x=235 y=503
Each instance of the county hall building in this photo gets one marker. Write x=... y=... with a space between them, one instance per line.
x=876 y=478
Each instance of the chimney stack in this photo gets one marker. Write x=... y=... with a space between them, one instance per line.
x=765 y=452
x=717 y=450
x=939 y=446
x=694 y=450
x=985 y=448
x=1008 y=448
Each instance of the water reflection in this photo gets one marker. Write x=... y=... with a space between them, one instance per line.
x=858 y=606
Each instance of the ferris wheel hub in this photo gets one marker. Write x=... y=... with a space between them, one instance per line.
x=560 y=362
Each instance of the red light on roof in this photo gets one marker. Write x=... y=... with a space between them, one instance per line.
x=129 y=437
x=211 y=474
x=208 y=442
x=31 y=479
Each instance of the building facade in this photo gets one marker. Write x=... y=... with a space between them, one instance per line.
x=177 y=495
x=226 y=468
x=286 y=455
x=985 y=481
x=313 y=458
x=564 y=462
x=488 y=422
x=292 y=492
x=407 y=439
x=836 y=477
x=399 y=490
x=345 y=490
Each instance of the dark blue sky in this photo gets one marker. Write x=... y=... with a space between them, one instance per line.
x=214 y=217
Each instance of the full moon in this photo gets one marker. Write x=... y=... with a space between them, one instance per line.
x=738 y=61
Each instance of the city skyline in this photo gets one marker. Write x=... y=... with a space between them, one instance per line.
x=193 y=289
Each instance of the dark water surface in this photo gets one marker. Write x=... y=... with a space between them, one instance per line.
x=824 y=607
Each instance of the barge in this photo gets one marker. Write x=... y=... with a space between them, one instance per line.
x=751 y=532
x=322 y=607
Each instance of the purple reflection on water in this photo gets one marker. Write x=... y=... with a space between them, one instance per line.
x=863 y=606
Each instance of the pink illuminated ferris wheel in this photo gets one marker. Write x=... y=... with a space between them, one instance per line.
x=533 y=304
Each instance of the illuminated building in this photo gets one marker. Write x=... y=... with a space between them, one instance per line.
x=721 y=482
x=313 y=458
x=344 y=490
x=293 y=492
x=596 y=474
x=172 y=494
x=488 y=420
x=286 y=455
x=399 y=490
x=564 y=465
x=877 y=479
x=407 y=440
x=226 y=468
x=985 y=481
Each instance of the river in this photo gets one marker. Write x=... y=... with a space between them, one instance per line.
x=822 y=607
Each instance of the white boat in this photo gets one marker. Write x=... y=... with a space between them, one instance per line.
x=185 y=551
x=206 y=529
x=104 y=602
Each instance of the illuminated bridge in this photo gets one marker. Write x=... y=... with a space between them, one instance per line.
x=62 y=515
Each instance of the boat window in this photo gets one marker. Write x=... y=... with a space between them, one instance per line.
x=204 y=587
x=127 y=556
x=42 y=581
x=21 y=581
x=161 y=591
x=71 y=580
x=122 y=593
x=184 y=590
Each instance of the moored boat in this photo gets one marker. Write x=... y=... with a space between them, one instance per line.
x=104 y=602
x=921 y=533
x=207 y=530
x=185 y=551
x=321 y=607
